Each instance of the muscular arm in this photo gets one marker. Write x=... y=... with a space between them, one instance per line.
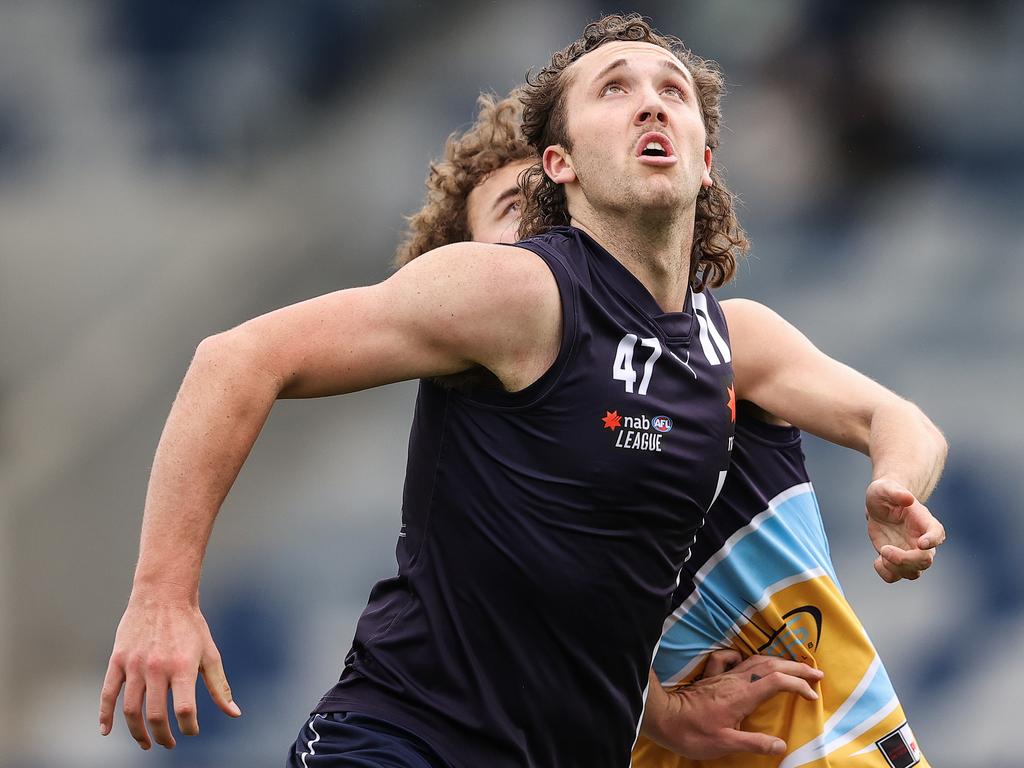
x=462 y=306
x=780 y=370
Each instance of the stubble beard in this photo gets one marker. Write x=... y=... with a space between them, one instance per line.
x=650 y=205
x=638 y=218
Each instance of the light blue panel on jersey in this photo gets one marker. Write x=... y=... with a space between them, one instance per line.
x=781 y=543
x=878 y=694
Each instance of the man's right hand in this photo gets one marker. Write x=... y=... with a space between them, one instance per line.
x=702 y=720
x=161 y=646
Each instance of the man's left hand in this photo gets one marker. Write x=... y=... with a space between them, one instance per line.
x=902 y=529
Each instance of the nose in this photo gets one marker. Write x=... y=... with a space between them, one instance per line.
x=651 y=109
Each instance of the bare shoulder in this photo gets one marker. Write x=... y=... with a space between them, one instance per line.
x=752 y=325
x=498 y=304
x=764 y=345
x=746 y=311
x=500 y=272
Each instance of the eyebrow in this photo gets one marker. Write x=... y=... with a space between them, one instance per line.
x=665 y=64
x=504 y=196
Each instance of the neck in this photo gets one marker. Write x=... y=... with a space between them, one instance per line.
x=656 y=251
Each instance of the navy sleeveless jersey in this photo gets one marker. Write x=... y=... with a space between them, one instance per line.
x=544 y=531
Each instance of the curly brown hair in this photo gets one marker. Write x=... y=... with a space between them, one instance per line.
x=491 y=143
x=718 y=239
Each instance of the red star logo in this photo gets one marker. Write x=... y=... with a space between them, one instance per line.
x=732 y=403
x=612 y=420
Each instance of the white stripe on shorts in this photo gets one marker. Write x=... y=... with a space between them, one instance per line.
x=311 y=742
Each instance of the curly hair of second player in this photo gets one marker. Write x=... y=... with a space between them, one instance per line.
x=492 y=142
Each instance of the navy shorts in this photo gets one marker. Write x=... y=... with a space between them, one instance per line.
x=350 y=740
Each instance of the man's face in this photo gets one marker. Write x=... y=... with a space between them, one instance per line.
x=636 y=129
x=493 y=207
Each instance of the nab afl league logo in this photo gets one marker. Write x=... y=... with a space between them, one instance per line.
x=661 y=424
x=639 y=433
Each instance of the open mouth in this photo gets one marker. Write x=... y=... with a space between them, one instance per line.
x=655 y=146
x=654 y=149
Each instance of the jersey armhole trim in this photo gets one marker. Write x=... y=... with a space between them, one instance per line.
x=531 y=395
x=751 y=426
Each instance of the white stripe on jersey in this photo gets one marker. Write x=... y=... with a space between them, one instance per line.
x=817 y=747
x=709 y=333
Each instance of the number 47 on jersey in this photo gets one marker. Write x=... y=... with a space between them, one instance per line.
x=716 y=350
x=622 y=368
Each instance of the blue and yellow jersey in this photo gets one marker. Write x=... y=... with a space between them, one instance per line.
x=761 y=581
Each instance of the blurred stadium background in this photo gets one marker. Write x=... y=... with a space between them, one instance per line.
x=169 y=169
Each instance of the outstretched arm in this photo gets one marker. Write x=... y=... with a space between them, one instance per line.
x=781 y=371
x=462 y=306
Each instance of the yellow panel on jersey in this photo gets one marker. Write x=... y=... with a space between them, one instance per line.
x=771 y=589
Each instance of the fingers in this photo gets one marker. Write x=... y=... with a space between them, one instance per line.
x=779 y=682
x=183 y=691
x=217 y=683
x=757 y=743
x=706 y=712
x=934 y=535
x=884 y=572
x=906 y=542
x=765 y=665
x=156 y=706
x=907 y=563
x=134 y=695
x=721 y=661
x=145 y=702
x=159 y=649
x=108 y=695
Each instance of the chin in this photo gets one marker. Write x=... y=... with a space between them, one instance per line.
x=665 y=197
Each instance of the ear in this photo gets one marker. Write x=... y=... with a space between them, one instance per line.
x=705 y=179
x=558 y=165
